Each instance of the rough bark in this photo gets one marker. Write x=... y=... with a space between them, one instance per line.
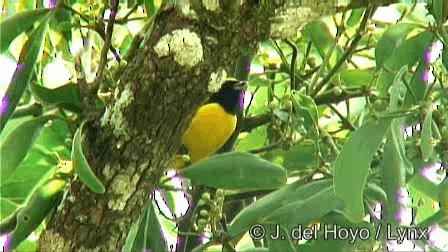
x=139 y=132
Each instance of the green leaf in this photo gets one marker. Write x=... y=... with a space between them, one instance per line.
x=62 y=23
x=355 y=17
x=155 y=240
x=236 y=171
x=391 y=41
x=17 y=143
x=310 y=209
x=149 y=233
x=353 y=163
x=426 y=139
x=7 y=208
x=257 y=212
x=437 y=10
x=398 y=89
x=12 y=26
x=65 y=96
x=278 y=244
x=417 y=86
x=43 y=200
x=25 y=68
x=354 y=77
x=152 y=7
x=410 y=51
x=305 y=107
x=81 y=166
x=445 y=56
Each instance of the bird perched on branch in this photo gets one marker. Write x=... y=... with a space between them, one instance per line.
x=214 y=122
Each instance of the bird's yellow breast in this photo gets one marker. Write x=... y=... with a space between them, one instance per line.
x=209 y=130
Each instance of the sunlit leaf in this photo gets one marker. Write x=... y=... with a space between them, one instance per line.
x=28 y=57
x=12 y=26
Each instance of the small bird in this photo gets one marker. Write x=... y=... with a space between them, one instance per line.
x=214 y=122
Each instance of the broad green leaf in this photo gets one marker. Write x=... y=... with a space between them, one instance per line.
x=81 y=165
x=12 y=26
x=25 y=68
x=7 y=208
x=354 y=77
x=355 y=17
x=391 y=41
x=17 y=143
x=283 y=243
x=310 y=209
x=236 y=171
x=410 y=51
x=255 y=139
x=40 y=161
x=426 y=139
x=353 y=163
x=257 y=212
x=65 y=96
x=298 y=157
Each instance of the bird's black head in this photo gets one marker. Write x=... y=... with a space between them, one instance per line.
x=230 y=96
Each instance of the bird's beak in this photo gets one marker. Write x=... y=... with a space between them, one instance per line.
x=241 y=85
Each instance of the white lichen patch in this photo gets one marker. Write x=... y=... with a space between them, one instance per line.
x=82 y=218
x=216 y=80
x=122 y=187
x=185 y=46
x=107 y=171
x=114 y=116
x=211 y=5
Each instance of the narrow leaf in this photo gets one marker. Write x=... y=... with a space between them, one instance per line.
x=355 y=17
x=155 y=240
x=236 y=171
x=310 y=209
x=258 y=212
x=353 y=163
x=17 y=143
x=12 y=26
x=81 y=165
x=27 y=60
x=65 y=96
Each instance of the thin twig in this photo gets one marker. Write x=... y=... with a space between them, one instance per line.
x=267 y=148
x=107 y=43
x=293 y=63
x=347 y=53
x=344 y=120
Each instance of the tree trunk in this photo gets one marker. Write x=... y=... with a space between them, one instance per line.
x=161 y=87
